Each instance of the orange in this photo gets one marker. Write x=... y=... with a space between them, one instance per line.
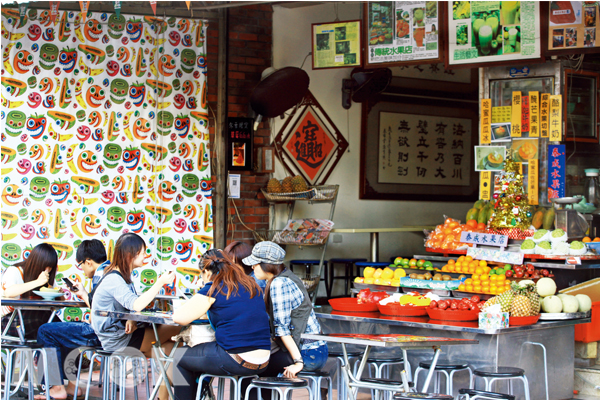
x=448 y=220
x=453 y=224
x=460 y=259
x=447 y=231
x=465 y=270
x=477 y=288
x=461 y=288
x=493 y=278
x=483 y=263
x=596 y=239
x=458 y=264
x=451 y=261
x=476 y=278
x=468 y=281
x=445 y=268
x=479 y=270
x=501 y=278
x=468 y=258
x=472 y=223
x=485 y=277
x=486 y=270
x=469 y=288
x=586 y=240
x=451 y=268
x=481 y=226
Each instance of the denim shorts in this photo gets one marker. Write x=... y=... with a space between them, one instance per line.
x=314 y=359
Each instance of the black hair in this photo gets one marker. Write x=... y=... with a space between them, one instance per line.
x=127 y=248
x=91 y=250
x=42 y=256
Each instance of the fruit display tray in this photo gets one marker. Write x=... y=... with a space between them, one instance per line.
x=559 y=316
x=377 y=288
x=453 y=315
x=534 y=257
x=460 y=295
x=402 y=311
x=519 y=321
x=446 y=251
x=351 y=304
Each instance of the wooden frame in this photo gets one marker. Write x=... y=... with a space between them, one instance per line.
x=370 y=188
x=265 y=159
x=442 y=9
x=483 y=64
x=545 y=29
x=596 y=110
x=334 y=26
x=240 y=144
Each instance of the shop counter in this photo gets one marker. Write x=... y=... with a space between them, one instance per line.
x=518 y=346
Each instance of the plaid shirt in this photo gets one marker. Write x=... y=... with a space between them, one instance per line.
x=286 y=296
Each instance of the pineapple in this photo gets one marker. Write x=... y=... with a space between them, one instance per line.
x=529 y=291
x=505 y=299
x=490 y=303
x=520 y=307
x=274 y=186
x=299 y=184
x=287 y=185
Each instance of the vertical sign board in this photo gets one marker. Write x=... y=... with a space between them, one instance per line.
x=556 y=171
x=532 y=182
x=534 y=114
x=545 y=115
x=555 y=118
x=485 y=181
x=486 y=117
x=515 y=130
x=240 y=137
x=525 y=114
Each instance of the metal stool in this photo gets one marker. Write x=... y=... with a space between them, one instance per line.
x=381 y=386
x=28 y=350
x=415 y=396
x=315 y=378
x=382 y=365
x=90 y=351
x=277 y=384
x=442 y=368
x=235 y=385
x=339 y=362
x=492 y=374
x=348 y=276
x=472 y=394
x=115 y=364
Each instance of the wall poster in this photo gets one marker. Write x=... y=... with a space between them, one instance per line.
x=336 y=45
x=493 y=31
x=240 y=137
x=572 y=25
x=403 y=31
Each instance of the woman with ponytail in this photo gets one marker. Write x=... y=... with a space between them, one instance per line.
x=290 y=312
x=235 y=308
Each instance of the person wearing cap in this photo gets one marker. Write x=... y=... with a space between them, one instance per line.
x=290 y=314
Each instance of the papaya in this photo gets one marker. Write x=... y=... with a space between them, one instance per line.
x=481 y=218
x=472 y=214
x=479 y=204
x=538 y=219
x=488 y=214
x=548 y=220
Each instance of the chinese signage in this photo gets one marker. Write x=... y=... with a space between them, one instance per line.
x=336 y=44
x=545 y=114
x=484 y=185
x=516 y=115
x=525 y=114
x=573 y=25
x=486 y=239
x=239 y=143
x=534 y=114
x=424 y=149
x=532 y=182
x=486 y=118
x=501 y=114
x=492 y=31
x=500 y=256
x=402 y=31
x=555 y=127
x=556 y=171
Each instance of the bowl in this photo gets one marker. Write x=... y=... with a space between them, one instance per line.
x=396 y=309
x=594 y=247
x=351 y=304
x=48 y=295
x=453 y=315
x=519 y=321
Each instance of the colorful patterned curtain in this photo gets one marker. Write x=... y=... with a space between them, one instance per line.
x=104 y=131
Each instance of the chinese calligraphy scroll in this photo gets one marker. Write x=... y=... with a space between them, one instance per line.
x=556 y=171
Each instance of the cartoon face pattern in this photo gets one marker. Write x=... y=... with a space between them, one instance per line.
x=101 y=135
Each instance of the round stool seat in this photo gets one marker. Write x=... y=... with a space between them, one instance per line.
x=443 y=366
x=307 y=262
x=499 y=372
x=376 y=359
x=383 y=381
x=104 y=353
x=313 y=373
x=372 y=264
x=32 y=345
x=346 y=260
x=412 y=396
x=268 y=382
x=333 y=354
x=491 y=395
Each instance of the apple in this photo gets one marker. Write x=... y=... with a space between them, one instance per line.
x=509 y=273
x=428 y=264
x=420 y=263
x=519 y=274
x=398 y=261
x=412 y=262
x=405 y=261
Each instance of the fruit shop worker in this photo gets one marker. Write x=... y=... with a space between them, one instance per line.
x=238 y=251
x=235 y=308
x=291 y=314
x=36 y=271
x=115 y=292
x=66 y=336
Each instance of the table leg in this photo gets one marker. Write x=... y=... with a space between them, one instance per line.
x=160 y=356
x=407 y=365
x=374 y=246
x=361 y=368
x=436 y=355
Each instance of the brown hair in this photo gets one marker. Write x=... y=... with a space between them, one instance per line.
x=274 y=269
x=226 y=275
x=41 y=257
x=128 y=246
x=238 y=251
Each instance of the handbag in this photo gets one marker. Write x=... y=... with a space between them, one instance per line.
x=194 y=335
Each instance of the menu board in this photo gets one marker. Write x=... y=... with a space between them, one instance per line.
x=400 y=31
x=572 y=25
x=492 y=31
x=336 y=44
x=424 y=149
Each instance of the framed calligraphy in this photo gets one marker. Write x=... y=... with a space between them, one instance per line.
x=309 y=143
x=240 y=138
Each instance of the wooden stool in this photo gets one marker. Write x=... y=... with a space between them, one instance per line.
x=348 y=276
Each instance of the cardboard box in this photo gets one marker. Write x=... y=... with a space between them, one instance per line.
x=488 y=320
x=591 y=288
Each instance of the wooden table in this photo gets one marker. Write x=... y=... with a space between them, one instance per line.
x=375 y=235
x=405 y=342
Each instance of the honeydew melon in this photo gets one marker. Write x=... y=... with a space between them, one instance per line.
x=585 y=303
x=552 y=304
x=570 y=304
x=546 y=287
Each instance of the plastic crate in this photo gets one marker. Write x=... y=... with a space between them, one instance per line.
x=589 y=332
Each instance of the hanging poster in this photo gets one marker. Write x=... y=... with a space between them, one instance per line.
x=240 y=137
x=336 y=45
x=104 y=131
x=556 y=171
x=493 y=31
x=403 y=31
x=572 y=25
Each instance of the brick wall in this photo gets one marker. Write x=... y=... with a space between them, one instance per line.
x=250 y=52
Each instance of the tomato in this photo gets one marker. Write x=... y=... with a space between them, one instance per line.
x=475 y=299
x=463 y=306
x=474 y=306
x=442 y=304
x=454 y=306
x=363 y=295
x=433 y=304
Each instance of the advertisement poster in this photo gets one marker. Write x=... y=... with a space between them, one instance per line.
x=492 y=31
x=489 y=158
x=336 y=45
x=240 y=137
x=572 y=25
x=402 y=31
x=424 y=149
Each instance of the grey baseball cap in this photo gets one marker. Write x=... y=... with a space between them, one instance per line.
x=265 y=252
